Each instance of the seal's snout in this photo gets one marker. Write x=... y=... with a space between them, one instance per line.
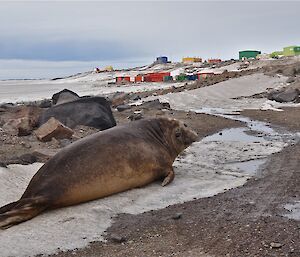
x=190 y=136
x=193 y=135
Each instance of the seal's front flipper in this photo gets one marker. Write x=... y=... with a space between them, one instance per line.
x=20 y=211
x=169 y=178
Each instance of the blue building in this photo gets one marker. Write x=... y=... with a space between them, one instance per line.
x=162 y=59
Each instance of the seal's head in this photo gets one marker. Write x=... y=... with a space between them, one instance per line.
x=179 y=135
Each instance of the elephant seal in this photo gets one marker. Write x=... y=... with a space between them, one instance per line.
x=102 y=164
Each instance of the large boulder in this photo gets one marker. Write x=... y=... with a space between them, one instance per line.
x=64 y=96
x=90 y=111
x=53 y=129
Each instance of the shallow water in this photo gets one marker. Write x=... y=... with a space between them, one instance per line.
x=294 y=210
x=256 y=132
x=234 y=134
x=250 y=167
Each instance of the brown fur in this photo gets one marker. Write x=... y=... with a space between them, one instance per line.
x=108 y=162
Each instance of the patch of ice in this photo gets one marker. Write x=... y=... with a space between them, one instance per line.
x=224 y=94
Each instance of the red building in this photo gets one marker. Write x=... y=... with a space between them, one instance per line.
x=156 y=77
x=124 y=79
x=214 y=60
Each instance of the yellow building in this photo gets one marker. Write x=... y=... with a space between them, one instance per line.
x=191 y=59
x=108 y=68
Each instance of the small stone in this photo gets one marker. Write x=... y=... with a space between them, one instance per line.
x=25 y=145
x=276 y=245
x=2 y=164
x=117 y=238
x=290 y=80
x=177 y=216
x=123 y=107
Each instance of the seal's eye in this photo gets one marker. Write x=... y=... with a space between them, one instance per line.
x=184 y=125
x=178 y=133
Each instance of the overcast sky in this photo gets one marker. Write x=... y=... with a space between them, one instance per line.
x=89 y=31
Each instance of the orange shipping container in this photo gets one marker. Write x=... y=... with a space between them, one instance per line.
x=138 y=78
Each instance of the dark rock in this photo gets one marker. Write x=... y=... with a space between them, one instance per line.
x=156 y=104
x=290 y=80
x=6 y=105
x=43 y=155
x=135 y=97
x=123 y=107
x=288 y=95
x=24 y=159
x=45 y=104
x=136 y=116
x=2 y=164
x=64 y=96
x=90 y=111
x=28 y=158
x=65 y=142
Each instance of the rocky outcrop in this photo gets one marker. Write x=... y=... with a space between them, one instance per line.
x=20 y=120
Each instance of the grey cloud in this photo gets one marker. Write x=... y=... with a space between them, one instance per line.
x=81 y=30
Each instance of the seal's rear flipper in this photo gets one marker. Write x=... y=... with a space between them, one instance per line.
x=7 y=207
x=20 y=211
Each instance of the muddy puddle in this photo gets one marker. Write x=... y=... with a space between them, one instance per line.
x=234 y=134
x=255 y=133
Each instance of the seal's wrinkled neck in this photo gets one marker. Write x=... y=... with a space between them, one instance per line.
x=179 y=136
x=167 y=126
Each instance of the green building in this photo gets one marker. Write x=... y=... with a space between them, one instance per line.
x=181 y=77
x=247 y=54
x=168 y=78
x=291 y=50
x=276 y=54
